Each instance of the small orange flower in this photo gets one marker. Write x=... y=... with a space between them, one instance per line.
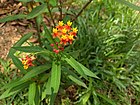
x=27 y=61
x=69 y=23
x=65 y=33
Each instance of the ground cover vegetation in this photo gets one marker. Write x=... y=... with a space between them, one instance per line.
x=88 y=54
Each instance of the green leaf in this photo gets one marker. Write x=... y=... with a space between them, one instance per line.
x=85 y=98
x=129 y=4
x=47 y=89
x=74 y=77
x=14 y=90
x=106 y=99
x=37 y=11
x=53 y=2
x=48 y=35
x=37 y=96
x=77 y=81
x=39 y=20
x=18 y=64
x=55 y=80
x=35 y=71
x=76 y=66
x=25 y=1
x=10 y=18
x=29 y=49
x=19 y=43
x=12 y=84
x=28 y=75
x=55 y=76
x=87 y=71
x=31 y=93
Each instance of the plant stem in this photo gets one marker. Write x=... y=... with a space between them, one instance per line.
x=38 y=33
x=50 y=13
x=60 y=9
x=82 y=10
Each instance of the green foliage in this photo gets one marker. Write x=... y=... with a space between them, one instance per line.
x=102 y=65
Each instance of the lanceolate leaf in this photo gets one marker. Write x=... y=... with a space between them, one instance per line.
x=29 y=49
x=87 y=71
x=15 y=17
x=18 y=64
x=85 y=98
x=47 y=89
x=55 y=80
x=35 y=71
x=55 y=76
x=81 y=69
x=19 y=43
x=77 y=81
x=25 y=0
x=28 y=75
x=31 y=93
x=129 y=4
x=37 y=11
x=75 y=78
x=48 y=35
x=14 y=90
x=107 y=99
x=76 y=66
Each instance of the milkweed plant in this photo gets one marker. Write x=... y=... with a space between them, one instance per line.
x=42 y=66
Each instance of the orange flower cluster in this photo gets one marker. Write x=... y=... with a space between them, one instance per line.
x=27 y=61
x=65 y=33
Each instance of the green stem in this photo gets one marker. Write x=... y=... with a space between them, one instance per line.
x=82 y=10
x=50 y=13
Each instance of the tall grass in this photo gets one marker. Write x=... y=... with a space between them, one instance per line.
x=108 y=44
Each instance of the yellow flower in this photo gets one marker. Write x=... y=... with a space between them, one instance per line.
x=64 y=37
x=60 y=23
x=55 y=30
x=64 y=30
x=24 y=62
x=70 y=37
x=25 y=66
x=69 y=23
x=75 y=29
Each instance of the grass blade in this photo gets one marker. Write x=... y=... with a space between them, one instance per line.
x=129 y=4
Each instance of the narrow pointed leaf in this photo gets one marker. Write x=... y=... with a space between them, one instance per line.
x=14 y=90
x=11 y=18
x=18 y=64
x=29 y=49
x=37 y=11
x=48 y=35
x=106 y=99
x=37 y=96
x=77 y=81
x=31 y=93
x=76 y=66
x=55 y=81
x=19 y=43
x=47 y=89
x=35 y=71
x=133 y=6
x=87 y=71
x=55 y=76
